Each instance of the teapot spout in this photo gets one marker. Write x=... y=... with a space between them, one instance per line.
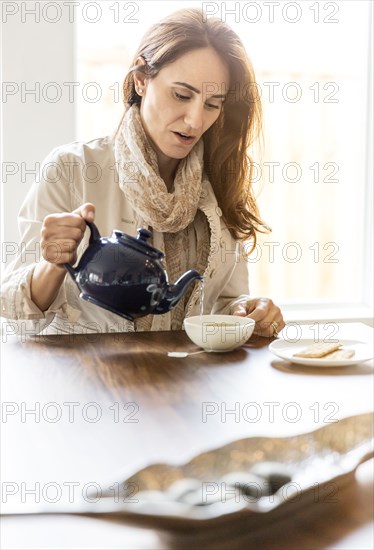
x=175 y=292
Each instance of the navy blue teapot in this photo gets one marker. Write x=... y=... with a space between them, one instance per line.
x=125 y=275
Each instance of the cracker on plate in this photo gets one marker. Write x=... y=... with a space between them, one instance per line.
x=340 y=354
x=319 y=349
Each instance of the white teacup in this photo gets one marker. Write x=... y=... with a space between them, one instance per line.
x=219 y=332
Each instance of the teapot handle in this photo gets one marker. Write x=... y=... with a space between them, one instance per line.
x=95 y=234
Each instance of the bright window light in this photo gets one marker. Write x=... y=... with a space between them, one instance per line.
x=312 y=65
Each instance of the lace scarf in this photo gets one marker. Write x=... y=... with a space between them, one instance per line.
x=179 y=229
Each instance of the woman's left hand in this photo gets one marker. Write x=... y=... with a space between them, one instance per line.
x=268 y=316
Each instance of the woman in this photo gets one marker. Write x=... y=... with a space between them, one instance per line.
x=176 y=164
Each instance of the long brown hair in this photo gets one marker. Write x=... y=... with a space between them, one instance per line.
x=226 y=143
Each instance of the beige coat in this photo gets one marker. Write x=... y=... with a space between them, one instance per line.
x=86 y=172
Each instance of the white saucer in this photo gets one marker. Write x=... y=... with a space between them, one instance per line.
x=286 y=350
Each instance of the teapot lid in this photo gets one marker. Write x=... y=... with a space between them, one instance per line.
x=140 y=243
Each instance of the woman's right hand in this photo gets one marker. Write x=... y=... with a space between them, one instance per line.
x=62 y=233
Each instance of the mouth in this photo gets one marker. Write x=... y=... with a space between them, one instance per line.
x=184 y=138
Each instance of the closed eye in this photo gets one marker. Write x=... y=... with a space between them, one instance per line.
x=181 y=97
x=213 y=106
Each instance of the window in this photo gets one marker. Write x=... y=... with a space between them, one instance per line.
x=312 y=63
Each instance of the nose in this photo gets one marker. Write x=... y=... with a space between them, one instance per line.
x=194 y=117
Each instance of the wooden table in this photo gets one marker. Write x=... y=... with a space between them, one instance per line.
x=107 y=401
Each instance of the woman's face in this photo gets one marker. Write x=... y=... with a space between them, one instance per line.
x=185 y=98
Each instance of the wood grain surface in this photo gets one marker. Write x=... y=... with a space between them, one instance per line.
x=79 y=409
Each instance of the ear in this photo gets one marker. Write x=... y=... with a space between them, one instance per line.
x=140 y=78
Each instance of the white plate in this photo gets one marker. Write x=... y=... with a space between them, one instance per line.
x=286 y=350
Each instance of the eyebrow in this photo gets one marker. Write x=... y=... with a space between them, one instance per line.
x=193 y=89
